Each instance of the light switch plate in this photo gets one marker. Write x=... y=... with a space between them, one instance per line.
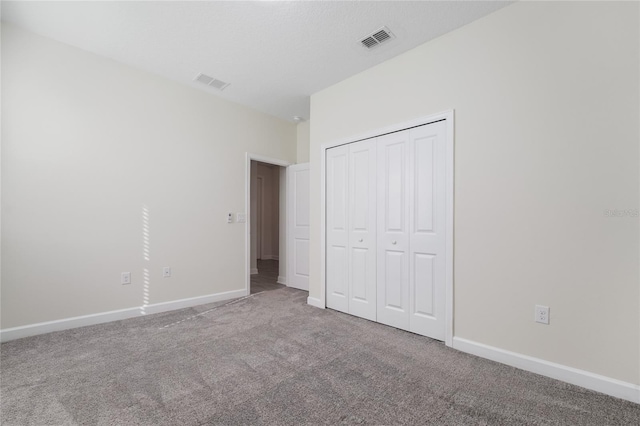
x=241 y=217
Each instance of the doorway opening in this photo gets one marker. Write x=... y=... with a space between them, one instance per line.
x=267 y=243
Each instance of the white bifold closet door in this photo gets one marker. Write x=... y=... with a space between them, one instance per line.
x=351 y=229
x=385 y=229
x=411 y=229
x=337 y=222
x=393 y=229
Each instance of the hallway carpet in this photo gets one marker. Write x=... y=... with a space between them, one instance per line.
x=267 y=277
x=270 y=359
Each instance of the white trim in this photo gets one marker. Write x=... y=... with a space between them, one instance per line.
x=282 y=280
x=103 y=317
x=268 y=160
x=289 y=207
x=323 y=231
x=247 y=201
x=269 y=257
x=315 y=302
x=254 y=271
x=449 y=215
x=449 y=117
x=577 y=377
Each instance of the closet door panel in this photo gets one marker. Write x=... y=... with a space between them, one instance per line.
x=422 y=284
x=394 y=269
x=337 y=226
x=427 y=229
x=393 y=230
x=362 y=229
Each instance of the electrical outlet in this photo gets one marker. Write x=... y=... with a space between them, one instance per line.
x=542 y=314
x=125 y=278
x=166 y=272
x=241 y=217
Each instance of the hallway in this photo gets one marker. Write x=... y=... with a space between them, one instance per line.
x=266 y=278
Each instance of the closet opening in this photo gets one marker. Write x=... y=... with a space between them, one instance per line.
x=387 y=226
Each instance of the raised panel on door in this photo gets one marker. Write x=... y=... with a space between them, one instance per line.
x=337 y=227
x=298 y=265
x=362 y=229
x=427 y=244
x=393 y=230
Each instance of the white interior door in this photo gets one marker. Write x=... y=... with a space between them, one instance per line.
x=337 y=225
x=298 y=226
x=427 y=229
x=362 y=229
x=393 y=229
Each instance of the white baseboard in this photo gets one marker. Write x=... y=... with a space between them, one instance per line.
x=282 y=280
x=577 y=377
x=253 y=271
x=315 y=302
x=269 y=257
x=82 y=321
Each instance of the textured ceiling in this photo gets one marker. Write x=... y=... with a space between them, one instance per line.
x=275 y=54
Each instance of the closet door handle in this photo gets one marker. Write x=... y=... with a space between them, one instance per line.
x=360 y=240
x=393 y=242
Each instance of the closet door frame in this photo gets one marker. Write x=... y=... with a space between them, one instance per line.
x=447 y=116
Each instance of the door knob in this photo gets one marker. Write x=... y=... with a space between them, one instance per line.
x=393 y=242
x=360 y=240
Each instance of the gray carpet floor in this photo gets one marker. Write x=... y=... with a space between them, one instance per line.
x=271 y=359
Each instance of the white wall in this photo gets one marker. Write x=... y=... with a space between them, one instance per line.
x=546 y=101
x=303 y=135
x=88 y=146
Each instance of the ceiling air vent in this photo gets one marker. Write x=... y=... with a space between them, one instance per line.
x=377 y=37
x=210 y=81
